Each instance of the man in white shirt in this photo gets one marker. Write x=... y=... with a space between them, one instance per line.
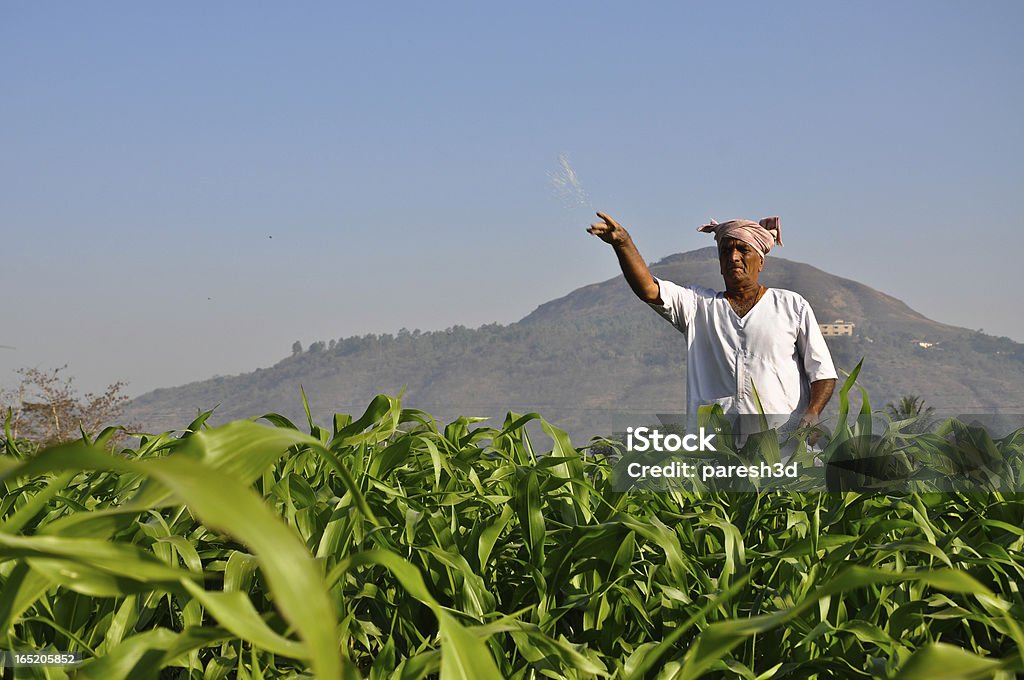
x=746 y=338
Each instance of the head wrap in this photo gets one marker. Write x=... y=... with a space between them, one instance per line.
x=762 y=235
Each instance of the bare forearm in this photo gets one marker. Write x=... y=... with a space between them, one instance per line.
x=638 y=276
x=821 y=392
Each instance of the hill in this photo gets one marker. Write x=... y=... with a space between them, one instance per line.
x=589 y=358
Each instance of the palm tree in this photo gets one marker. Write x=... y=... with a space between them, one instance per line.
x=912 y=406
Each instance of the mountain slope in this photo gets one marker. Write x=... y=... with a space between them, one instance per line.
x=596 y=355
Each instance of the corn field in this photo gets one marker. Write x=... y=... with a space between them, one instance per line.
x=390 y=546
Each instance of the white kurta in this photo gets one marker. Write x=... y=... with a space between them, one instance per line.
x=776 y=348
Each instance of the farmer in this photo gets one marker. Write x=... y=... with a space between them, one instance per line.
x=745 y=338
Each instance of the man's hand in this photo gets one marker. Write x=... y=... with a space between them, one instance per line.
x=609 y=231
x=811 y=419
x=821 y=392
x=638 y=276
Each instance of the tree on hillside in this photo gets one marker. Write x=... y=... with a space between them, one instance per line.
x=912 y=406
x=46 y=408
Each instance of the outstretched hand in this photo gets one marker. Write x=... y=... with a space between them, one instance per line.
x=608 y=230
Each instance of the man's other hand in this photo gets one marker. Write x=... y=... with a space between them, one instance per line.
x=811 y=420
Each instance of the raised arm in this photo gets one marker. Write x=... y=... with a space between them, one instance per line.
x=633 y=266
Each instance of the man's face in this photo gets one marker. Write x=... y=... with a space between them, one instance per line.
x=741 y=263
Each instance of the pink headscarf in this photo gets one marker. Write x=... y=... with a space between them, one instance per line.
x=762 y=235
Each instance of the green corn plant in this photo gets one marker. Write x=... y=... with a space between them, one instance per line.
x=390 y=546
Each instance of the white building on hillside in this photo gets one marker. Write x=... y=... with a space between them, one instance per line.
x=837 y=327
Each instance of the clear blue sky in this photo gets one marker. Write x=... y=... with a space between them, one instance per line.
x=398 y=154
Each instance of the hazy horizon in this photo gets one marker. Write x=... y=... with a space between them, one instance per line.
x=186 y=190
